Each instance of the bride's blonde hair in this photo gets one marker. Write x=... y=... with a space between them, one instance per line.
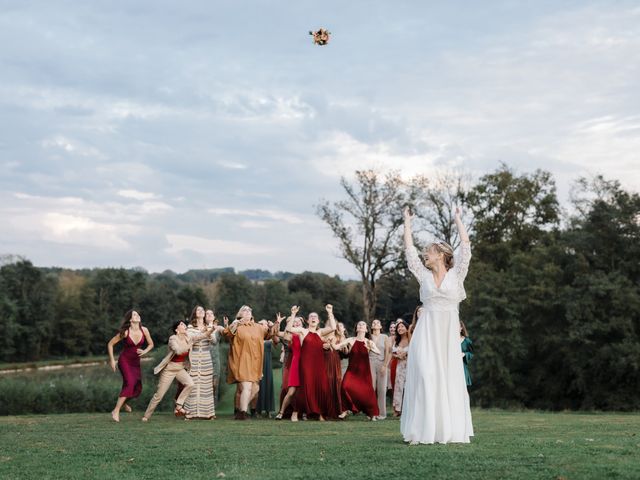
x=445 y=249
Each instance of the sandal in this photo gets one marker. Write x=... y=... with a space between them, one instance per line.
x=279 y=416
x=179 y=411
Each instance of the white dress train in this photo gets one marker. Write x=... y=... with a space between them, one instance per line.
x=435 y=407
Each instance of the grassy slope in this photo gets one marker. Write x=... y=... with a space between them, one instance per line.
x=508 y=445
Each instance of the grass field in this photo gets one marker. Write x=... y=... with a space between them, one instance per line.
x=507 y=445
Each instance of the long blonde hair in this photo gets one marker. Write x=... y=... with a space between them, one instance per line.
x=445 y=249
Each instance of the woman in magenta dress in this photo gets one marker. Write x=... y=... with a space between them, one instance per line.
x=314 y=394
x=357 y=388
x=133 y=335
x=288 y=404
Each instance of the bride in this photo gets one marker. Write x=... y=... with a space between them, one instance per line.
x=436 y=408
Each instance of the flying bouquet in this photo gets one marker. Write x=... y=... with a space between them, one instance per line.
x=321 y=36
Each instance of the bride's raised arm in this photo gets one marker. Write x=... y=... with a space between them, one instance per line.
x=461 y=263
x=413 y=259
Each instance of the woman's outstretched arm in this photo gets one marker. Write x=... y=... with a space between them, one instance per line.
x=462 y=230
x=461 y=263
x=413 y=260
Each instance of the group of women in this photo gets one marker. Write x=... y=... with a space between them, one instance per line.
x=327 y=375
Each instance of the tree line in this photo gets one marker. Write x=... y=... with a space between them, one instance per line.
x=553 y=292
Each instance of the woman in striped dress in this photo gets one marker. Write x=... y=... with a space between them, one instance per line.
x=200 y=403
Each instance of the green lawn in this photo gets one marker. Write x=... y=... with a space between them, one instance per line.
x=508 y=445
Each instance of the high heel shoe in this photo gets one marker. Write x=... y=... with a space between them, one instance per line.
x=179 y=411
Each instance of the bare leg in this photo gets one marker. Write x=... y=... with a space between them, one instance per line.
x=115 y=414
x=255 y=388
x=245 y=396
x=287 y=400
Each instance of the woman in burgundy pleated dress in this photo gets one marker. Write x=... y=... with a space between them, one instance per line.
x=334 y=373
x=314 y=395
x=133 y=335
x=357 y=388
x=288 y=403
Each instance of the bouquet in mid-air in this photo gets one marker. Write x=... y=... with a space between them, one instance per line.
x=321 y=36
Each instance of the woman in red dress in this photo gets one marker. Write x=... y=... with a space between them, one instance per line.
x=334 y=374
x=393 y=365
x=133 y=335
x=314 y=394
x=357 y=388
x=288 y=404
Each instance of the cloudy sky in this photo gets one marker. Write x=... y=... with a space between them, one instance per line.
x=202 y=133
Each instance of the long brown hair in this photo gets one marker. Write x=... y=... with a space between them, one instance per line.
x=126 y=322
x=398 y=336
x=342 y=335
x=414 y=319
x=192 y=318
x=463 y=329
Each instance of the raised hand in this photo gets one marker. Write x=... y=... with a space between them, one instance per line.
x=294 y=310
x=406 y=213
x=329 y=308
x=458 y=212
x=225 y=321
x=279 y=317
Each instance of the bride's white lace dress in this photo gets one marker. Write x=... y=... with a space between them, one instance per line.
x=436 y=407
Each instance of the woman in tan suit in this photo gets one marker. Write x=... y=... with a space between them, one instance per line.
x=174 y=366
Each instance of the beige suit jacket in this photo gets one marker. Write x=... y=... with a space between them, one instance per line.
x=178 y=344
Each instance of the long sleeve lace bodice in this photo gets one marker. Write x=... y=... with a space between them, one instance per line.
x=451 y=291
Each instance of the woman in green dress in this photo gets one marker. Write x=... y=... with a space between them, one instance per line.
x=467 y=351
x=265 y=402
x=216 y=338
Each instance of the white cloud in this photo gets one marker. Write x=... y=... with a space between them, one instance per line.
x=276 y=215
x=232 y=165
x=251 y=225
x=72 y=147
x=62 y=228
x=211 y=246
x=137 y=195
x=73 y=229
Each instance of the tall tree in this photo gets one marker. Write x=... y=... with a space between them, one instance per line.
x=366 y=225
x=436 y=203
x=514 y=214
x=603 y=296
